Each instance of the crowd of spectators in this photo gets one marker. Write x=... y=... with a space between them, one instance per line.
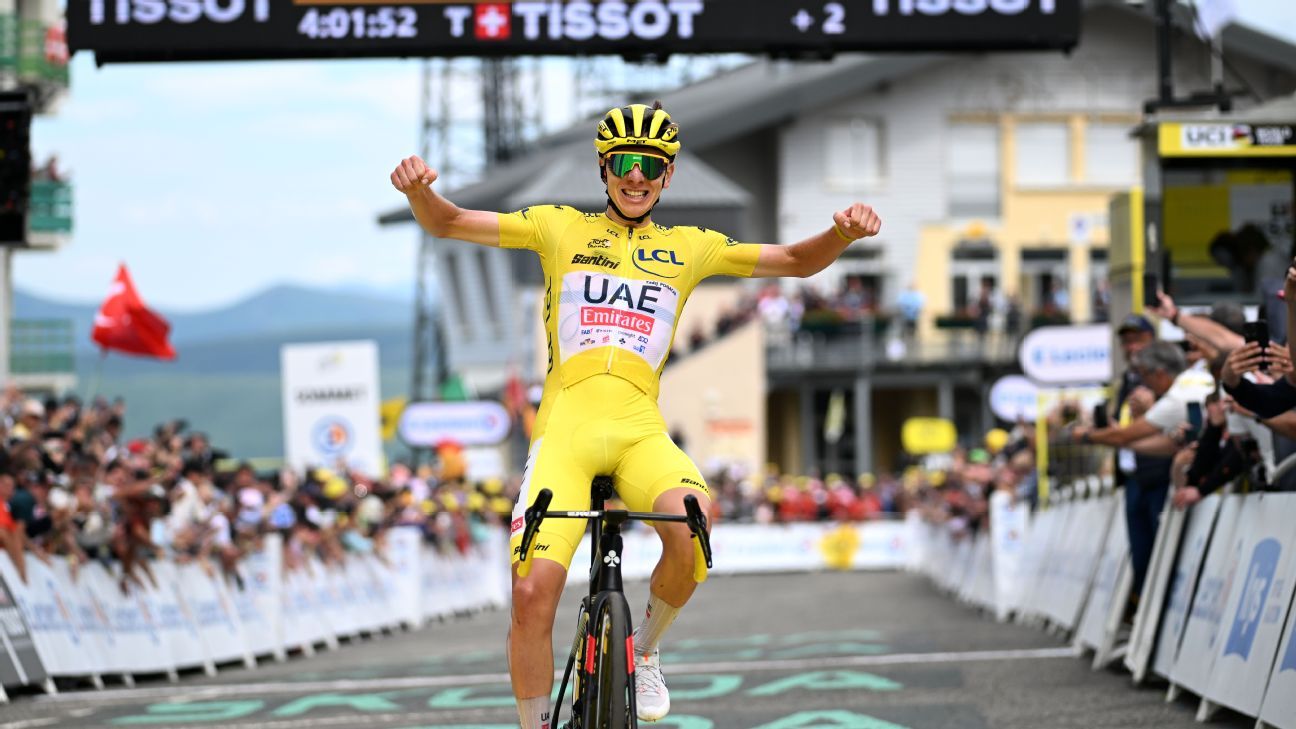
x=71 y=487
x=1192 y=416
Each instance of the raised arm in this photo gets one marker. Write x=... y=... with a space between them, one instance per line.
x=1217 y=335
x=814 y=254
x=437 y=215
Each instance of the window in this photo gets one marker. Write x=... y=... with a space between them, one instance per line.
x=1111 y=156
x=1042 y=154
x=974 y=268
x=972 y=162
x=853 y=159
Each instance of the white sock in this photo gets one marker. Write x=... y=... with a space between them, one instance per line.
x=534 y=713
x=658 y=619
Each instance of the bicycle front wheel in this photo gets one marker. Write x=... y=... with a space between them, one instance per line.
x=609 y=667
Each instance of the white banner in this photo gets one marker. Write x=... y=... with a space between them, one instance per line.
x=63 y=649
x=404 y=554
x=213 y=613
x=1067 y=355
x=1102 y=597
x=1192 y=668
x=1014 y=397
x=478 y=423
x=1038 y=544
x=130 y=639
x=258 y=603
x=1147 y=620
x=330 y=406
x=754 y=548
x=1009 y=526
x=1279 y=707
x=1257 y=605
x=174 y=619
x=1201 y=522
x=1077 y=564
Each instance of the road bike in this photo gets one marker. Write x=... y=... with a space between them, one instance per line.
x=601 y=663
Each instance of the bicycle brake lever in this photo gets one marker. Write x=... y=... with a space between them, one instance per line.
x=532 y=516
x=697 y=523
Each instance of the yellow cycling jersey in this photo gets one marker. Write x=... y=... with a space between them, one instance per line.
x=614 y=294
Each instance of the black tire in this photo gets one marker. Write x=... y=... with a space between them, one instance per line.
x=609 y=695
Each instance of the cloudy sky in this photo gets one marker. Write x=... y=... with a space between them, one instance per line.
x=213 y=181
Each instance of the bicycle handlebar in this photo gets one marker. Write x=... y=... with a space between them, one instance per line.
x=693 y=517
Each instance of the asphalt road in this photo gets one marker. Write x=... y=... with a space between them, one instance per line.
x=857 y=650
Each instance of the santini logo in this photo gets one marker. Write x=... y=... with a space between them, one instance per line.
x=594 y=260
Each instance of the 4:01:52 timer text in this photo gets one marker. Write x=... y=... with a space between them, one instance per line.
x=382 y=22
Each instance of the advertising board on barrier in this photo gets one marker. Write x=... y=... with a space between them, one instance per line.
x=330 y=406
x=1193 y=665
x=1257 y=605
x=1201 y=520
x=1279 y=707
x=1105 y=593
x=19 y=663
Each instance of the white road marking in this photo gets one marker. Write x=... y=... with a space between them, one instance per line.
x=196 y=693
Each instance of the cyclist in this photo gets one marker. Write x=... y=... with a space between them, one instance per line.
x=615 y=285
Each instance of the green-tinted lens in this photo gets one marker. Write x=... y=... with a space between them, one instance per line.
x=651 y=167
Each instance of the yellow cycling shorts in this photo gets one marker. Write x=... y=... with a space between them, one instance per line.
x=601 y=425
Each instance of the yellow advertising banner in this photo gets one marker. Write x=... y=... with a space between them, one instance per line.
x=1222 y=139
x=922 y=436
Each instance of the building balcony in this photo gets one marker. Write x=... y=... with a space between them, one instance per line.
x=805 y=352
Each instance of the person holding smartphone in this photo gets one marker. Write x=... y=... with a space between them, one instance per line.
x=1272 y=399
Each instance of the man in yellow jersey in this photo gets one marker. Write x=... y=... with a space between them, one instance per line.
x=615 y=285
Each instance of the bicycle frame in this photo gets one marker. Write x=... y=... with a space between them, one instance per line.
x=606 y=553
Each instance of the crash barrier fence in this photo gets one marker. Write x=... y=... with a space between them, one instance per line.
x=1215 y=619
x=61 y=624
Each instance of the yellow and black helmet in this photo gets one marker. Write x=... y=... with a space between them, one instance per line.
x=638 y=125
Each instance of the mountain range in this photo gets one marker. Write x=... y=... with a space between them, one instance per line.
x=279 y=309
x=225 y=378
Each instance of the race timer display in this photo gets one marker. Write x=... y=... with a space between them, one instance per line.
x=159 y=30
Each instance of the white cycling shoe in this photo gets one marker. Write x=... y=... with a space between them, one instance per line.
x=652 y=700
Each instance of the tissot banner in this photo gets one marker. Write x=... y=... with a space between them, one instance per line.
x=167 y=30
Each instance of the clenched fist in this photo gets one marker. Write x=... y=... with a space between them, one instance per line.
x=857 y=221
x=412 y=175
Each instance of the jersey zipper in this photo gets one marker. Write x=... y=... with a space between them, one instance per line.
x=612 y=349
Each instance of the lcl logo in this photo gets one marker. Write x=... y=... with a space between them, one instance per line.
x=650 y=262
x=659 y=256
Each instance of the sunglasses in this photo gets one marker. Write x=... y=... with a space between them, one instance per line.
x=652 y=167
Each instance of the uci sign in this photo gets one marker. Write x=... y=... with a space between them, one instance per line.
x=1067 y=355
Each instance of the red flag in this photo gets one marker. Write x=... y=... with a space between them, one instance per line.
x=124 y=323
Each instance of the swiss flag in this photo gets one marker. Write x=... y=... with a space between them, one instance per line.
x=125 y=324
x=493 y=21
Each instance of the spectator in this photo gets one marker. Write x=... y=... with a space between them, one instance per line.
x=1163 y=370
x=911 y=303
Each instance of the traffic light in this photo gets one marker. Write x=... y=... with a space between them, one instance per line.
x=15 y=166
